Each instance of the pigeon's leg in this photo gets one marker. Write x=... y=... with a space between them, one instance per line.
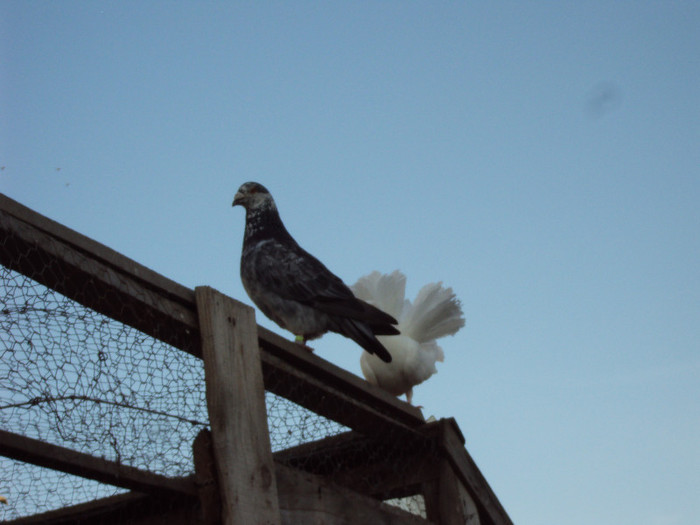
x=409 y=398
x=301 y=341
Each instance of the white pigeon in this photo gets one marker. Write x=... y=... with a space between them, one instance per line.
x=436 y=312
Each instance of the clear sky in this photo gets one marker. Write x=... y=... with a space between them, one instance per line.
x=542 y=158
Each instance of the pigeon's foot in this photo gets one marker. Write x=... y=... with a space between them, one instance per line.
x=409 y=399
x=301 y=341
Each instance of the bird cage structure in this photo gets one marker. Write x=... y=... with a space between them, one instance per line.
x=128 y=398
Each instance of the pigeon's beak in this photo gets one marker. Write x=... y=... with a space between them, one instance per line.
x=237 y=199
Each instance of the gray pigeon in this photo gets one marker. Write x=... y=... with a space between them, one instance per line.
x=293 y=288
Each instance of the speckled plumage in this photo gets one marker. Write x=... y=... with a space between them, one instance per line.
x=293 y=288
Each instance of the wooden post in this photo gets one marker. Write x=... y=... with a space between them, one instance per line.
x=237 y=414
x=206 y=479
x=447 y=502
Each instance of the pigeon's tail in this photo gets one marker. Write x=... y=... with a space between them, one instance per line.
x=364 y=335
x=435 y=313
x=385 y=291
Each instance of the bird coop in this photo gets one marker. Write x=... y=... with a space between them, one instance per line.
x=128 y=398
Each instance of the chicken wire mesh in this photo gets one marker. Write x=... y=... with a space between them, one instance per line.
x=31 y=489
x=73 y=377
x=379 y=463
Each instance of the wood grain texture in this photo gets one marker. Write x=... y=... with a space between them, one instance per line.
x=237 y=412
x=206 y=478
x=447 y=500
x=306 y=499
x=491 y=512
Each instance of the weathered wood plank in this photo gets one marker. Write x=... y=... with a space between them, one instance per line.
x=303 y=499
x=237 y=412
x=491 y=512
x=63 y=459
x=447 y=502
x=97 y=251
x=206 y=478
x=131 y=508
x=313 y=500
x=352 y=386
x=330 y=400
x=436 y=465
x=378 y=468
x=85 y=279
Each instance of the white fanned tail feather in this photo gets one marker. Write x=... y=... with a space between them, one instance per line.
x=385 y=291
x=435 y=313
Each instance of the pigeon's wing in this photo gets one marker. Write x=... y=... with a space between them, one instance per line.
x=293 y=273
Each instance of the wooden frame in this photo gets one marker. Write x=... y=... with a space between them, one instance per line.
x=43 y=454
x=209 y=325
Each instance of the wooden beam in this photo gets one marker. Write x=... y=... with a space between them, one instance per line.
x=447 y=502
x=491 y=512
x=276 y=350
x=97 y=251
x=119 y=293
x=377 y=468
x=303 y=497
x=314 y=500
x=329 y=399
x=207 y=477
x=436 y=465
x=131 y=508
x=237 y=412
x=69 y=461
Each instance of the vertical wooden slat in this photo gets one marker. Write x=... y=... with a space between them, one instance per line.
x=447 y=501
x=237 y=414
x=206 y=479
x=491 y=511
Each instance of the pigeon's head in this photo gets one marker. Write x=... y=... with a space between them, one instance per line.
x=253 y=196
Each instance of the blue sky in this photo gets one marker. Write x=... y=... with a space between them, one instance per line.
x=542 y=158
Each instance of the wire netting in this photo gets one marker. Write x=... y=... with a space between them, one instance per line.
x=76 y=378
x=73 y=377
